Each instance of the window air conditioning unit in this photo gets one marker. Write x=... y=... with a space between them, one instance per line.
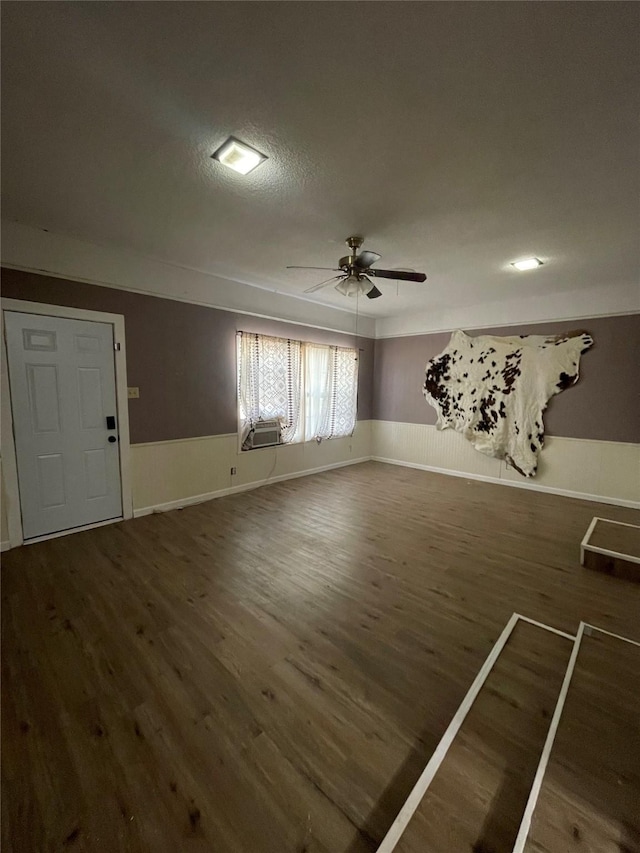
x=263 y=434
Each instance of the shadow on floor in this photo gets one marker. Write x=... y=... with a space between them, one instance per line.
x=376 y=826
x=500 y=828
x=630 y=841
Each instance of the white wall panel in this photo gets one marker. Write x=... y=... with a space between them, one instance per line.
x=167 y=471
x=619 y=467
x=171 y=472
x=587 y=468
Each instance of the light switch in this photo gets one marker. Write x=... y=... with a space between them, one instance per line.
x=134 y=393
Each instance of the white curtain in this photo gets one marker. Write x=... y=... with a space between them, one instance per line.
x=269 y=381
x=331 y=391
x=311 y=389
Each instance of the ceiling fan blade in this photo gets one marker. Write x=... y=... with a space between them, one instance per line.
x=374 y=293
x=328 y=269
x=399 y=275
x=322 y=284
x=365 y=259
x=369 y=289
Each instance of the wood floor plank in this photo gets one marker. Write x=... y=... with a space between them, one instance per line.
x=590 y=797
x=479 y=793
x=616 y=537
x=624 y=540
x=272 y=670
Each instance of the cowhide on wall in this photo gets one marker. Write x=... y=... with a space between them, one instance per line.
x=494 y=390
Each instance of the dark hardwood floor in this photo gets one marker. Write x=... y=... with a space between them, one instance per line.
x=270 y=672
x=590 y=796
x=478 y=795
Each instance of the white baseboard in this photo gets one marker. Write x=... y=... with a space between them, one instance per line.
x=245 y=487
x=4 y=546
x=534 y=487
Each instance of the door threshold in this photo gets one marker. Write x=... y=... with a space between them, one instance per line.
x=70 y=530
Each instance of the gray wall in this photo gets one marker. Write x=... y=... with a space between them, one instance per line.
x=181 y=356
x=604 y=404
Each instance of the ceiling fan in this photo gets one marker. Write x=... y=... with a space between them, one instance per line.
x=355 y=270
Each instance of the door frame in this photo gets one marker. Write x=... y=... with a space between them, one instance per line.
x=11 y=498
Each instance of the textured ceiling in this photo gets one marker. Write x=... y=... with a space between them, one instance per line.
x=455 y=136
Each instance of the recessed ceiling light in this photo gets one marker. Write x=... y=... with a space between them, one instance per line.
x=527 y=264
x=238 y=156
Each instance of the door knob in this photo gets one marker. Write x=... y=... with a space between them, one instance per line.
x=112 y=439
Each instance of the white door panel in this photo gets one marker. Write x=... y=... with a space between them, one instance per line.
x=95 y=474
x=90 y=398
x=44 y=397
x=62 y=377
x=51 y=480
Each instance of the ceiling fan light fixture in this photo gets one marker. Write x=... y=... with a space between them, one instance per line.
x=238 y=156
x=349 y=286
x=527 y=264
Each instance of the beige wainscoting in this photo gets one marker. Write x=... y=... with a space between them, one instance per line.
x=169 y=474
x=606 y=471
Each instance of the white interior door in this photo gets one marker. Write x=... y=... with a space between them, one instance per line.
x=63 y=396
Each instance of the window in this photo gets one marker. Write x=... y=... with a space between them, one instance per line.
x=330 y=391
x=310 y=389
x=270 y=382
